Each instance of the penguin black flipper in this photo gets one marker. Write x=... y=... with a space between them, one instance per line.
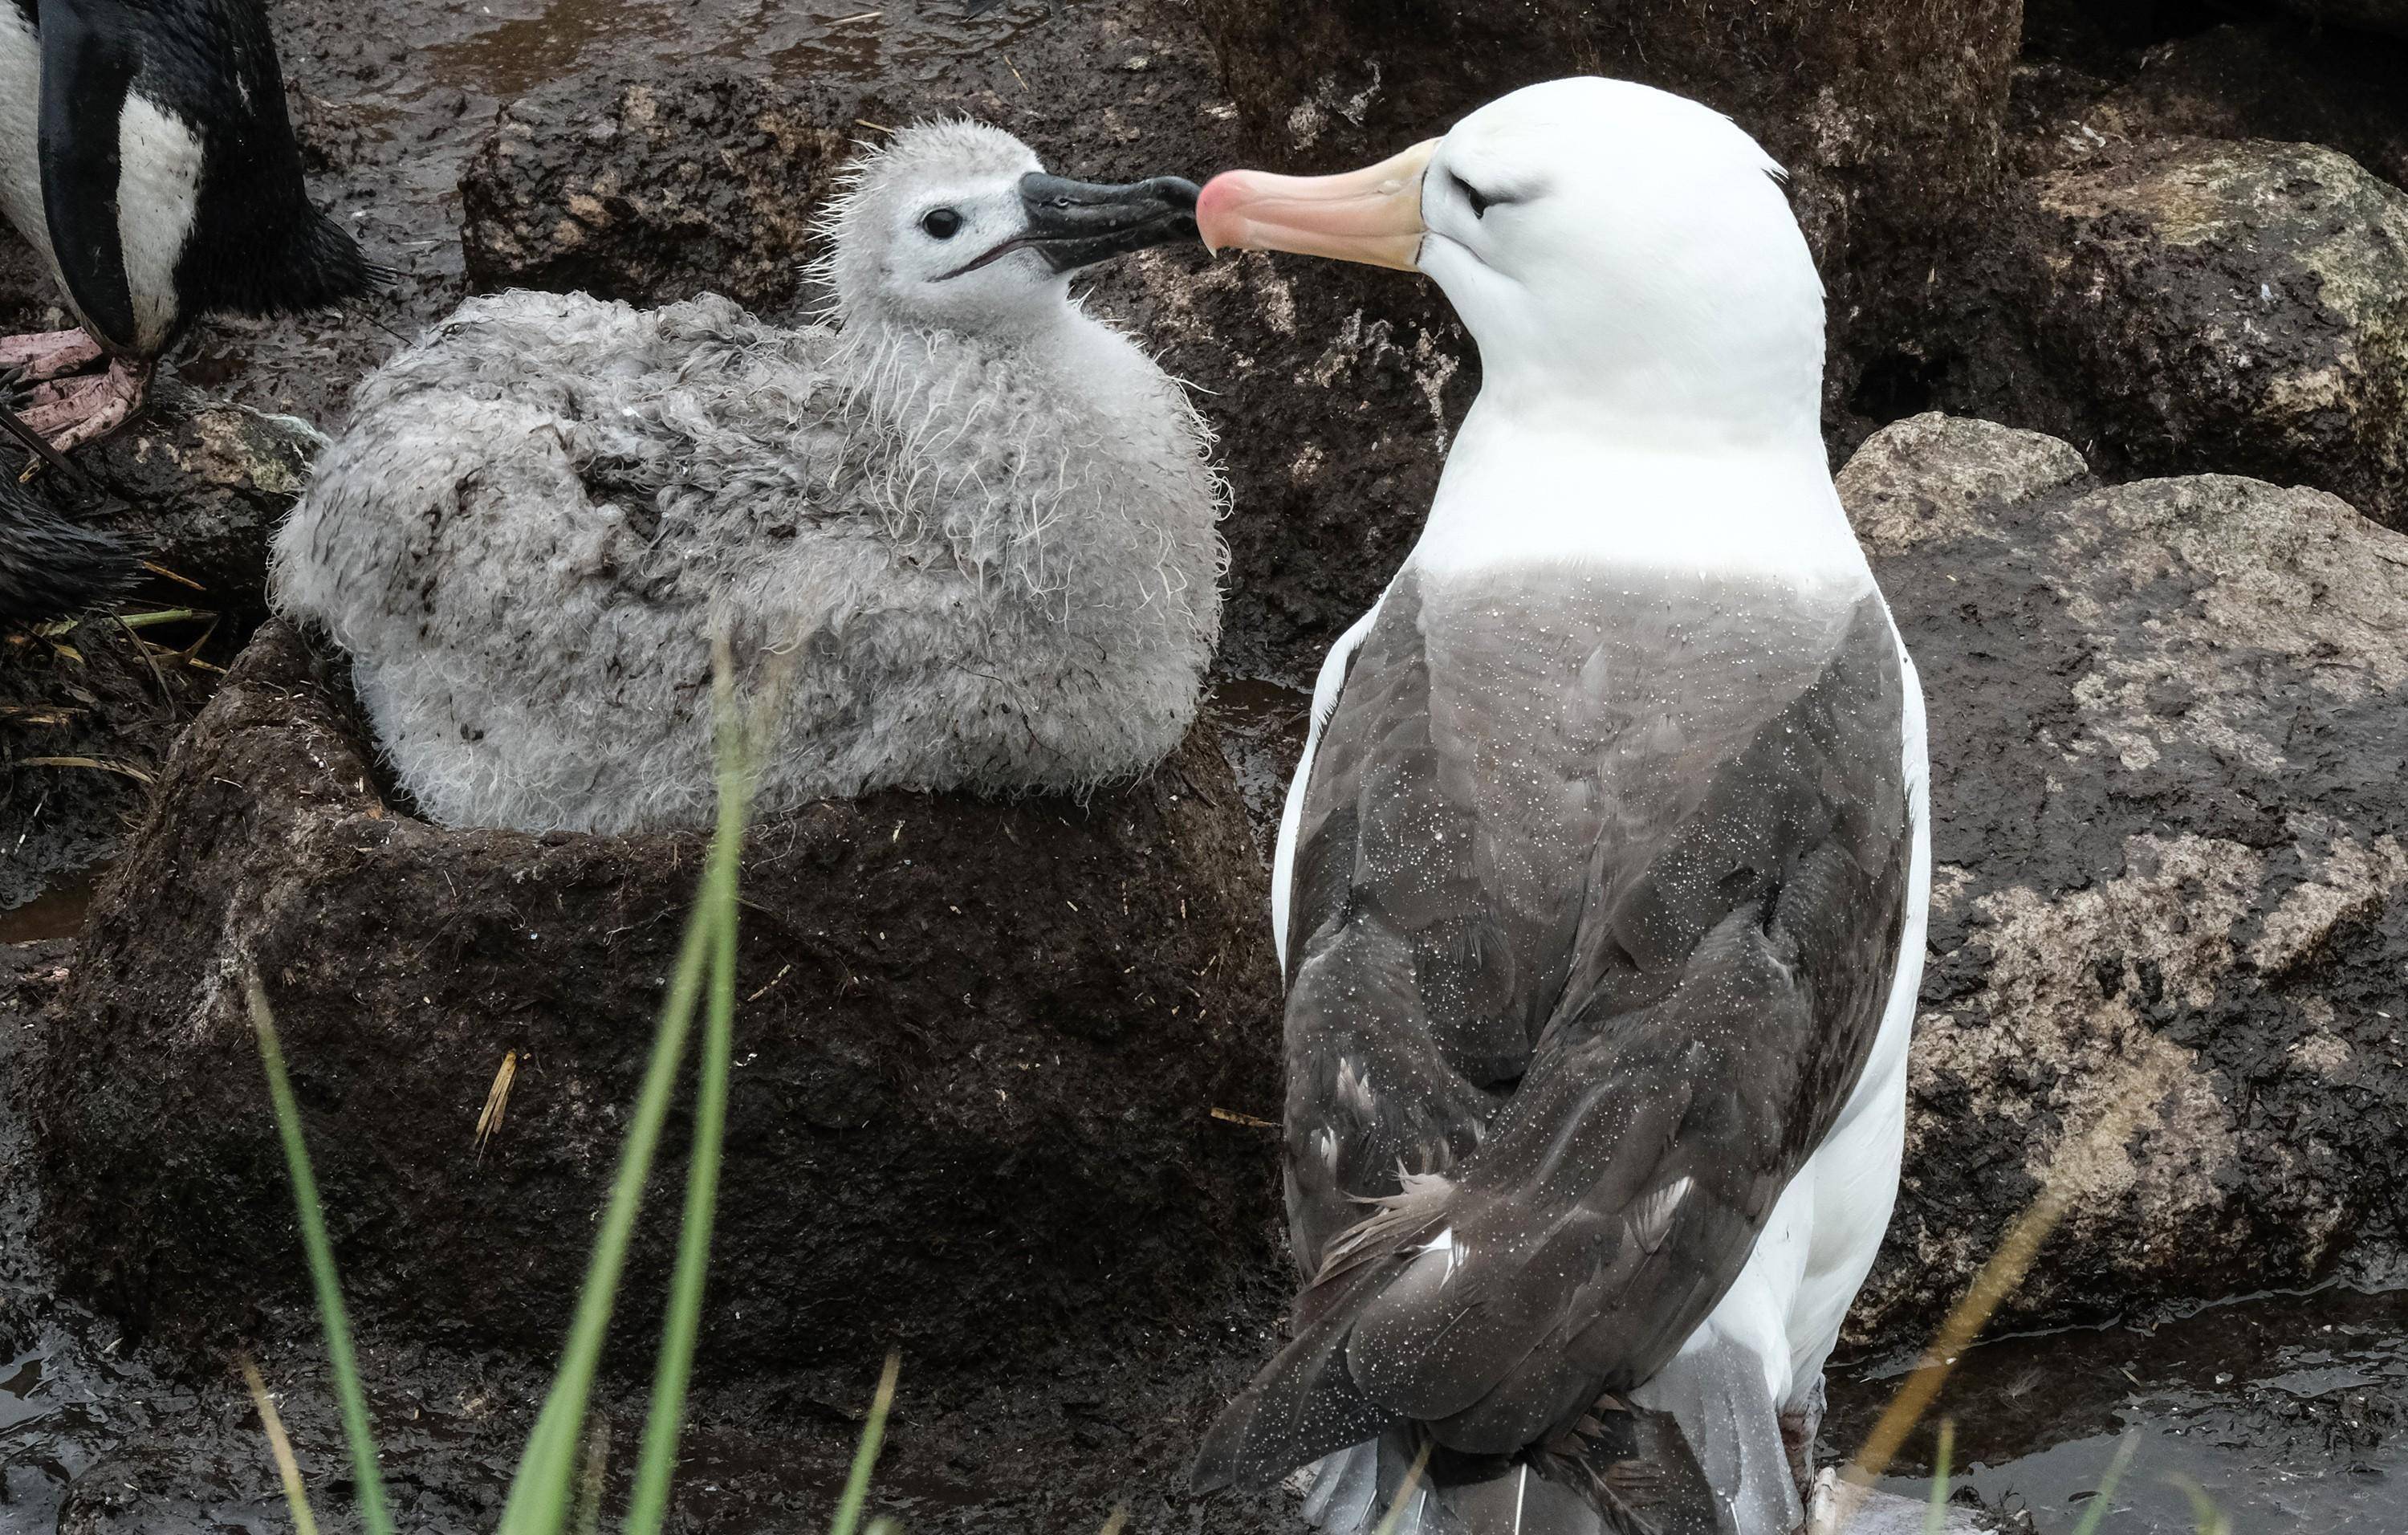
x=213 y=213
x=88 y=65
x=50 y=566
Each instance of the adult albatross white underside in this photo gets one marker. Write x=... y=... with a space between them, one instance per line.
x=1601 y=887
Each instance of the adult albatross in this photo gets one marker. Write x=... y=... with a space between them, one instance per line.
x=1600 y=889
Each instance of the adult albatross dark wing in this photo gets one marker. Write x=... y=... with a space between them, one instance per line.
x=1603 y=888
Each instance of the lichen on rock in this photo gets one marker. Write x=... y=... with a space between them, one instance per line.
x=2171 y=896
x=2236 y=305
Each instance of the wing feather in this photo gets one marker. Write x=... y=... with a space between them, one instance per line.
x=1596 y=916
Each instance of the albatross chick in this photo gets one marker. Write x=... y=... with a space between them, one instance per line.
x=978 y=524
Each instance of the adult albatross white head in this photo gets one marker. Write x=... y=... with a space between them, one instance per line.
x=1600 y=889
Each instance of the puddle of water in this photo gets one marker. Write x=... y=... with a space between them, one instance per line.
x=57 y=913
x=899 y=42
x=2290 y=1412
x=512 y=45
x=520 y=46
x=1262 y=726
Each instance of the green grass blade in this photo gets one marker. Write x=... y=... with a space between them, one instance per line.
x=1935 y=1519
x=540 y=1492
x=586 y=1519
x=320 y=1254
x=656 y=1464
x=2211 y=1520
x=2106 y=1493
x=865 y=1457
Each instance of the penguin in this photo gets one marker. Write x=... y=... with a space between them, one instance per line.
x=147 y=157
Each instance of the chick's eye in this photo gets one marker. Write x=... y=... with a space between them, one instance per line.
x=941 y=222
x=1478 y=199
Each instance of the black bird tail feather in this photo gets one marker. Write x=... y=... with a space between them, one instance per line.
x=315 y=265
x=50 y=566
x=1618 y=1471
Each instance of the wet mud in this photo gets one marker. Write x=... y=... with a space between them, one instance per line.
x=2287 y=1411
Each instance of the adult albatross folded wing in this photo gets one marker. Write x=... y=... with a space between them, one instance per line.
x=1600 y=889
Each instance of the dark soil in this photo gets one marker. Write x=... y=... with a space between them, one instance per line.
x=973 y=1115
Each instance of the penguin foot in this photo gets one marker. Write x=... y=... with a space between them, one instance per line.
x=74 y=411
x=46 y=354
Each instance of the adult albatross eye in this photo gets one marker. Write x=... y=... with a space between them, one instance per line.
x=941 y=222
x=1472 y=194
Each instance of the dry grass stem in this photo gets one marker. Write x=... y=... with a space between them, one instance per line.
x=2076 y=1168
x=1249 y=1121
x=497 y=1101
x=1405 y=1494
x=98 y=765
x=288 y=1470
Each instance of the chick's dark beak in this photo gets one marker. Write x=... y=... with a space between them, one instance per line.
x=1077 y=223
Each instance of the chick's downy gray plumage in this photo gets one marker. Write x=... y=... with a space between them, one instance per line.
x=978 y=522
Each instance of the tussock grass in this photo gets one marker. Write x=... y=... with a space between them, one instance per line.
x=864 y=1457
x=1935 y=1521
x=288 y=1470
x=2097 y=1512
x=1405 y=1490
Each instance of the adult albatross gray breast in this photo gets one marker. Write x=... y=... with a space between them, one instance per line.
x=1600 y=891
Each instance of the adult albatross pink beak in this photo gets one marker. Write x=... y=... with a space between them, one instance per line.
x=1372 y=215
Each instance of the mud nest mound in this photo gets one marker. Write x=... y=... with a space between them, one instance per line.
x=979 y=1047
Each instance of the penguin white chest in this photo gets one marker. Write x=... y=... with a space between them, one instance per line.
x=20 y=127
x=158 y=193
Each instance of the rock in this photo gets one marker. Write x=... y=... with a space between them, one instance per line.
x=2240 y=306
x=980 y=1054
x=206 y=484
x=2269 y=81
x=2170 y=910
x=707 y=180
x=2384 y=16
x=1886 y=114
x=1875 y=1512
